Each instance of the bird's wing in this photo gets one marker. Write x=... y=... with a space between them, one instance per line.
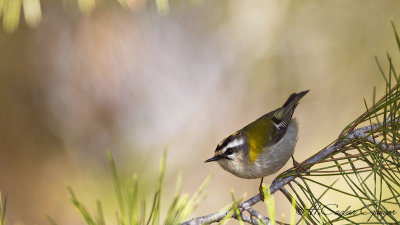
x=281 y=117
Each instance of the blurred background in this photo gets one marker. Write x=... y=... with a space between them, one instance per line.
x=133 y=77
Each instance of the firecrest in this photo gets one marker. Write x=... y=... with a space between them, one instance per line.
x=262 y=147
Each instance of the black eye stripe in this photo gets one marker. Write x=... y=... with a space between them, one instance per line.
x=231 y=150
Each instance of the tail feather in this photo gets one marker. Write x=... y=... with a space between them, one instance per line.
x=294 y=98
x=283 y=115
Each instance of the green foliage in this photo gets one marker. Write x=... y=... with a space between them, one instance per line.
x=367 y=166
x=269 y=203
x=3 y=207
x=292 y=213
x=132 y=209
x=233 y=211
x=235 y=207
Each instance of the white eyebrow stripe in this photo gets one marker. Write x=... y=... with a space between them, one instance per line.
x=233 y=144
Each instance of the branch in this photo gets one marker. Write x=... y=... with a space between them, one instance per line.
x=278 y=183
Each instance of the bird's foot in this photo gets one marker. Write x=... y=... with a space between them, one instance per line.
x=262 y=196
x=299 y=168
x=260 y=189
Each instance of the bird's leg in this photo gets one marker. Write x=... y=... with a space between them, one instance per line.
x=261 y=190
x=299 y=167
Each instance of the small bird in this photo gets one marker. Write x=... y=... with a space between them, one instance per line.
x=262 y=147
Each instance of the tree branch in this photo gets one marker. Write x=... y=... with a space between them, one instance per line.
x=279 y=183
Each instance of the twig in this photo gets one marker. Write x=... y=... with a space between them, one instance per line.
x=245 y=219
x=258 y=215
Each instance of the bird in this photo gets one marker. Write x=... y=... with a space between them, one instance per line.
x=262 y=147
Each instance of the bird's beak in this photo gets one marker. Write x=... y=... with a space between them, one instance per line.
x=215 y=158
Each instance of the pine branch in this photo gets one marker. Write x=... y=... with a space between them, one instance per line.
x=279 y=183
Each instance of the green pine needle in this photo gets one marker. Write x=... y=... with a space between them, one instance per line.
x=133 y=209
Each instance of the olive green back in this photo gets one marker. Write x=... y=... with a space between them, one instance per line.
x=259 y=133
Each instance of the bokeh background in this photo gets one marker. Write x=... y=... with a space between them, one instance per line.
x=136 y=78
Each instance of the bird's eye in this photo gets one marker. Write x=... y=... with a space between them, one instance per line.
x=229 y=151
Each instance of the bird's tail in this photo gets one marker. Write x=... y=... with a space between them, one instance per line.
x=283 y=115
x=294 y=99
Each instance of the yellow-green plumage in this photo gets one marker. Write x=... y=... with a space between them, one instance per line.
x=257 y=136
